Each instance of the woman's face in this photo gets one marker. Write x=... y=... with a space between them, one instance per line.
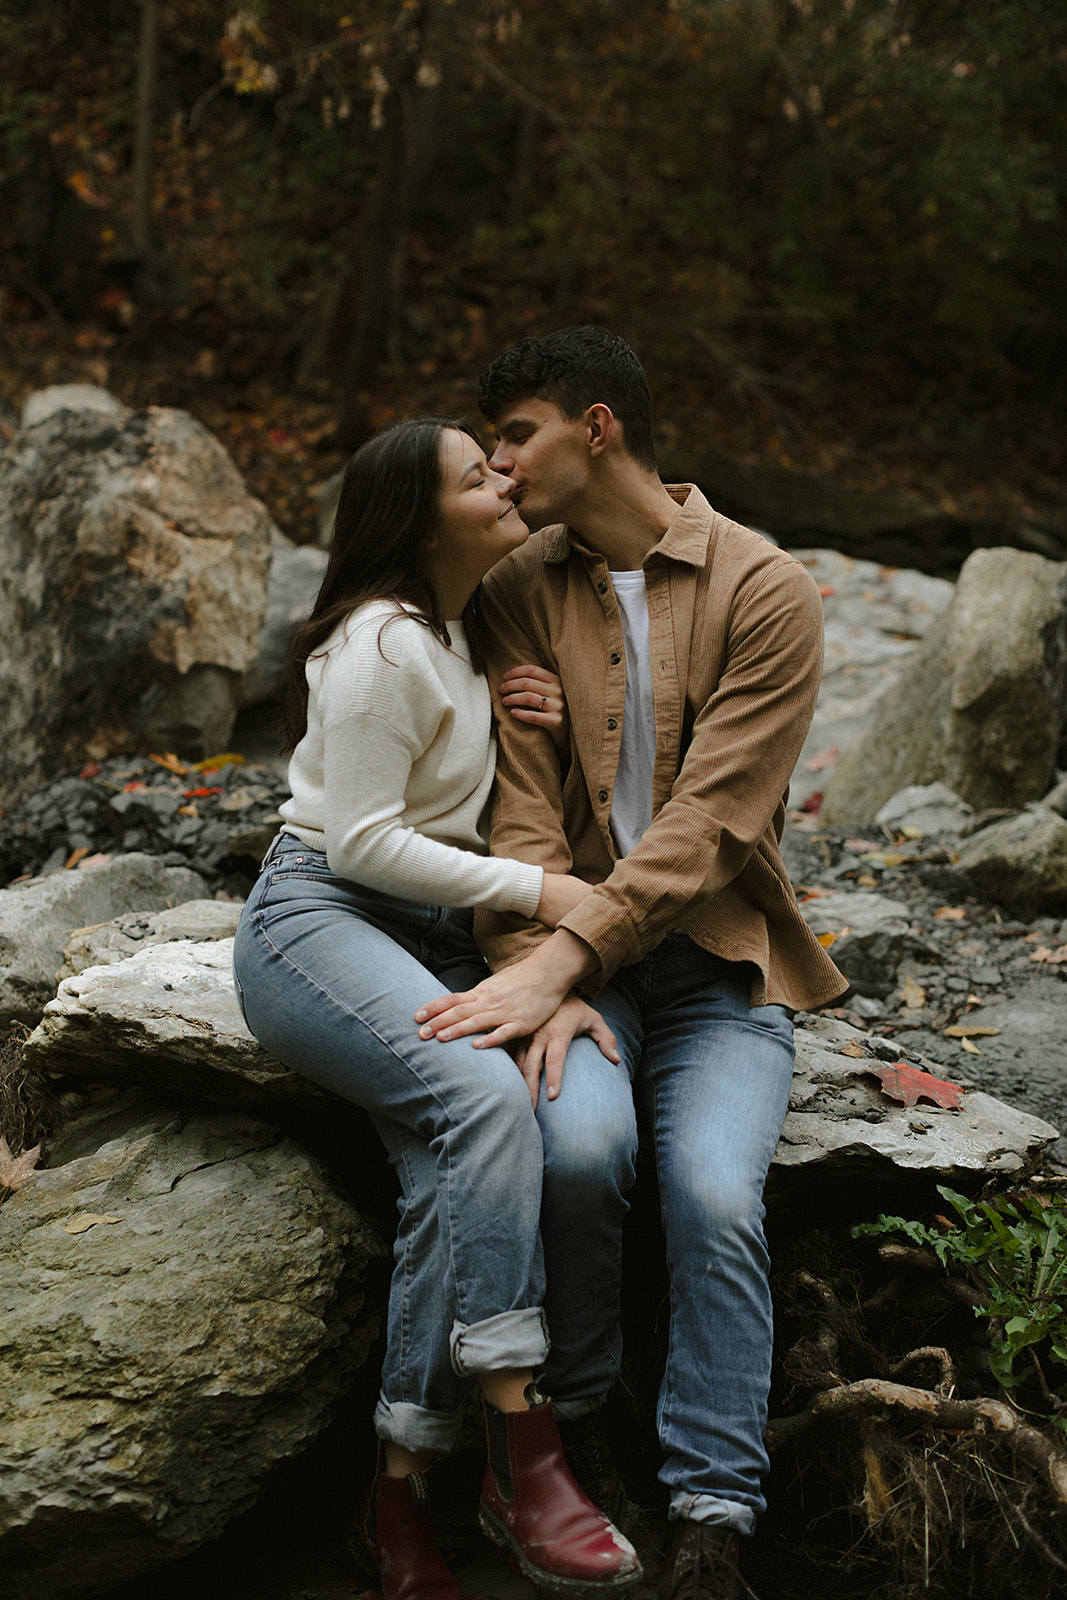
x=477 y=524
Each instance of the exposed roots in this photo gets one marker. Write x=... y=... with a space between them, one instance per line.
x=29 y=1111
x=955 y=1491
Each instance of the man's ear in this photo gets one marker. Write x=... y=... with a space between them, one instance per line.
x=600 y=426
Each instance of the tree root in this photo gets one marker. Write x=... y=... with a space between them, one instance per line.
x=871 y=1398
x=951 y=1490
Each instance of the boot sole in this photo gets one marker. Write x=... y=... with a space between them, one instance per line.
x=551 y=1582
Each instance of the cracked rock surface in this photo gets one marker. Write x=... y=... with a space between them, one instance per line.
x=181 y=1301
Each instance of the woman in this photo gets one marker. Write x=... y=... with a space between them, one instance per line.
x=361 y=915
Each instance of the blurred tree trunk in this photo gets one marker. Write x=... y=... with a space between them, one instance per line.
x=143 y=143
x=357 y=321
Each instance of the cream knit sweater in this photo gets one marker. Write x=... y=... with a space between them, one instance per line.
x=392 y=777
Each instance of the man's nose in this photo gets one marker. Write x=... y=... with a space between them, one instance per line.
x=501 y=461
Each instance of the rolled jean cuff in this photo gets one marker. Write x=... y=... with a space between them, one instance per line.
x=414 y=1428
x=510 y=1339
x=715 y=1512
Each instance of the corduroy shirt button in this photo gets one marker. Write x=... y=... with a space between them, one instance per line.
x=612 y=722
x=615 y=658
x=601 y=588
x=602 y=794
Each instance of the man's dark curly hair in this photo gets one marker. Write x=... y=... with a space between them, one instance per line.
x=574 y=369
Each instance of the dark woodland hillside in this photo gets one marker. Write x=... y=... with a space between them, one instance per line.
x=833 y=229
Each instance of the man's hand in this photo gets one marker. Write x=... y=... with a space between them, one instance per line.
x=546 y=1050
x=515 y=1001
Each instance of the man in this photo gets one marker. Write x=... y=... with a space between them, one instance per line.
x=690 y=654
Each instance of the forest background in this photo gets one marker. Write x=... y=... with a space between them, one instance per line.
x=833 y=229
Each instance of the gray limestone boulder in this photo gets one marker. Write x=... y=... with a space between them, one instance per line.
x=874 y=619
x=1021 y=862
x=924 y=808
x=198 y=920
x=871 y=934
x=840 y=1121
x=296 y=573
x=44 y=403
x=181 y=1302
x=39 y=915
x=166 y=1019
x=133 y=582
x=982 y=703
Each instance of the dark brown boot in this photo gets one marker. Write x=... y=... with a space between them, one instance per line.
x=703 y=1565
x=394 y=1528
x=532 y=1506
x=590 y=1460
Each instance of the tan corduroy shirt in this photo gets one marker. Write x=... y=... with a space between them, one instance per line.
x=735 y=641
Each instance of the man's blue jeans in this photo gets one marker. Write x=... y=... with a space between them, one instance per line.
x=329 y=975
x=712 y=1073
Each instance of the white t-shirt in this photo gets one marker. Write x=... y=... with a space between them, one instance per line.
x=392 y=777
x=631 y=804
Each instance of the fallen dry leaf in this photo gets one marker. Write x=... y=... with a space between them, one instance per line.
x=960 y=1030
x=227 y=759
x=950 y=913
x=1050 y=957
x=911 y=1084
x=172 y=764
x=824 y=758
x=852 y=1048
x=82 y=1221
x=912 y=996
x=826 y=939
x=16 y=1170
x=971 y=1049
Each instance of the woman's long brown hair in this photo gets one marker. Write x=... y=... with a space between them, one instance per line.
x=390 y=500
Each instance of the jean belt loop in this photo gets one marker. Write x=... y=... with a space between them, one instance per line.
x=272 y=849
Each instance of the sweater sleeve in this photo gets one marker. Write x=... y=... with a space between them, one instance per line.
x=380 y=714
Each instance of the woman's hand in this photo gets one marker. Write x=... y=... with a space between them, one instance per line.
x=516 y=1000
x=535 y=695
x=560 y=893
x=546 y=1050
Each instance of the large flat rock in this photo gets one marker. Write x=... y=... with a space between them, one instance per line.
x=840 y=1120
x=38 y=917
x=168 y=1017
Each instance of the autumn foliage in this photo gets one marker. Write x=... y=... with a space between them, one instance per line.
x=833 y=228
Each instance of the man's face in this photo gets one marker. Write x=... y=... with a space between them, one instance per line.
x=546 y=455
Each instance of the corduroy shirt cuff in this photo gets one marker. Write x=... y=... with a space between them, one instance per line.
x=607 y=931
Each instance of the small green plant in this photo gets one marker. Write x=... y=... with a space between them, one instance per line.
x=1015 y=1251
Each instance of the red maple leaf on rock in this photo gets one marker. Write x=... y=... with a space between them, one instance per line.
x=911 y=1084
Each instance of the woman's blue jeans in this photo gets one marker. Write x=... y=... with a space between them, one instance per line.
x=712 y=1074
x=329 y=975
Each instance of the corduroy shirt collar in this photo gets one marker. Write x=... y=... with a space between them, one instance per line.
x=686 y=538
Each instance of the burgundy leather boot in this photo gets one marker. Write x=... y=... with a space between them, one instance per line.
x=532 y=1505
x=394 y=1528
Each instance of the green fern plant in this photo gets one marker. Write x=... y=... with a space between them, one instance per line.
x=1015 y=1251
